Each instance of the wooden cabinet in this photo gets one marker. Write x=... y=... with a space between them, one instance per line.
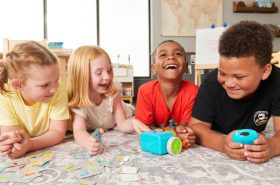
x=241 y=7
x=63 y=56
x=124 y=74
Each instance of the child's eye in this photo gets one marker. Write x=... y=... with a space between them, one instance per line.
x=161 y=55
x=221 y=74
x=240 y=77
x=179 y=53
x=44 y=85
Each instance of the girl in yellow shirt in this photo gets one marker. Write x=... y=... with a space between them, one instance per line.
x=33 y=103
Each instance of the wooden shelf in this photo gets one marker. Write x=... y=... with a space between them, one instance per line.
x=124 y=75
x=240 y=7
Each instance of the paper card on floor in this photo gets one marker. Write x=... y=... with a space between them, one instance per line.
x=113 y=164
x=71 y=168
x=18 y=162
x=86 y=172
x=2 y=168
x=130 y=177
x=19 y=177
x=38 y=161
x=122 y=158
x=132 y=150
x=30 y=170
x=83 y=156
x=84 y=182
x=127 y=170
x=5 y=177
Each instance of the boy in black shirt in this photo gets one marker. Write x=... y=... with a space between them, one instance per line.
x=244 y=92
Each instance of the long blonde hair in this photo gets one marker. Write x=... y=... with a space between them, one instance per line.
x=19 y=59
x=78 y=77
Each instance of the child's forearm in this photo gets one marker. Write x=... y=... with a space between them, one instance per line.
x=275 y=141
x=208 y=138
x=126 y=126
x=46 y=140
x=81 y=136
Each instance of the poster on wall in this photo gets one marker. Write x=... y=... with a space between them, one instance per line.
x=183 y=17
x=207 y=45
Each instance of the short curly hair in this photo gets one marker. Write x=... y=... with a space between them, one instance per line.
x=247 y=38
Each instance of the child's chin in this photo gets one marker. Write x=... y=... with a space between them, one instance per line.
x=46 y=100
x=102 y=91
x=235 y=96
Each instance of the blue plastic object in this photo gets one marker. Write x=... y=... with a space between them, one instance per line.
x=213 y=26
x=55 y=45
x=225 y=25
x=245 y=136
x=155 y=141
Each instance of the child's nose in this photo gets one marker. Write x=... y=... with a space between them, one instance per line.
x=106 y=76
x=53 y=90
x=230 y=82
x=171 y=57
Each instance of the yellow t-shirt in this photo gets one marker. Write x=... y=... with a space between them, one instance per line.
x=34 y=119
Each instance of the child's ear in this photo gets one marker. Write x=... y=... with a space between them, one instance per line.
x=16 y=83
x=266 y=71
x=154 y=71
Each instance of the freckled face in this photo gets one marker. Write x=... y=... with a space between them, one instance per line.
x=240 y=77
x=101 y=74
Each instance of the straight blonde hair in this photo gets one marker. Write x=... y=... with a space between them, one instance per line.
x=78 y=77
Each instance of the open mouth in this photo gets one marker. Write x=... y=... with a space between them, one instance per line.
x=171 y=66
x=103 y=85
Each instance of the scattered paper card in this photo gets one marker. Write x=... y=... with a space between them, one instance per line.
x=127 y=170
x=130 y=177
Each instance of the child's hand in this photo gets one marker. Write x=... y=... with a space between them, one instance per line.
x=233 y=150
x=139 y=127
x=93 y=146
x=7 y=141
x=21 y=148
x=260 y=151
x=186 y=133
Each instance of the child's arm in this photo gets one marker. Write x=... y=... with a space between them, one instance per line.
x=126 y=125
x=83 y=137
x=54 y=136
x=211 y=139
x=265 y=148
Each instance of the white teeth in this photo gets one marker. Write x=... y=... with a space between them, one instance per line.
x=171 y=66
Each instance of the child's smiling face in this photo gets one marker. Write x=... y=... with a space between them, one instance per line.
x=41 y=84
x=240 y=77
x=170 y=61
x=101 y=74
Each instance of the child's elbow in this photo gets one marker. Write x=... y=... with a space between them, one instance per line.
x=60 y=136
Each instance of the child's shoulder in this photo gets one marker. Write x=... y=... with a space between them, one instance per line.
x=189 y=86
x=150 y=85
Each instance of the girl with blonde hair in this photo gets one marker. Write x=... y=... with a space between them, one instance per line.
x=33 y=103
x=94 y=100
